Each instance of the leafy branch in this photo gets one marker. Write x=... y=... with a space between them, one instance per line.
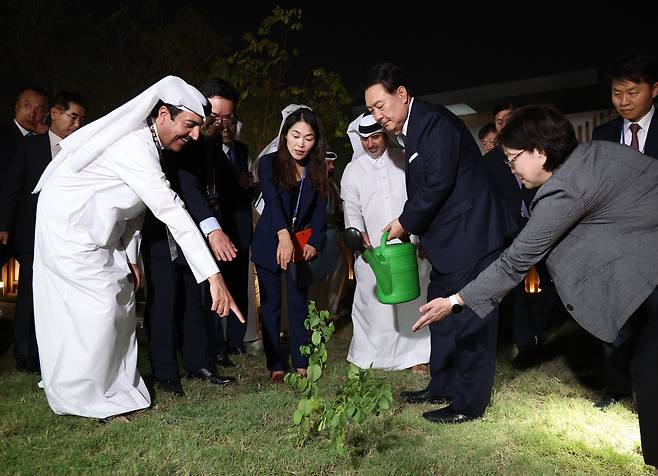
x=362 y=396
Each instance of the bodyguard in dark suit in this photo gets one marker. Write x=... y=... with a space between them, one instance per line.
x=595 y=220
x=29 y=112
x=462 y=224
x=18 y=215
x=229 y=169
x=634 y=86
x=224 y=175
x=528 y=318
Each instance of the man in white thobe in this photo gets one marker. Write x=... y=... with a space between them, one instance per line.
x=373 y=192
x=89 y=212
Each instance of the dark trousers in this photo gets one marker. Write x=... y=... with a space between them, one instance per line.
x=618 y=354
x=6 y=252
x=463 y=346
x=269 y=286
x=235 y=274
x=25 y=340
x=165 y=281
x=530 y=313
x=644 y=376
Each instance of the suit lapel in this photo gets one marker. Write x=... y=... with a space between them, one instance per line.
x=651 y=144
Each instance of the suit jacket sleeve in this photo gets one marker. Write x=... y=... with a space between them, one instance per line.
x=12 y=187
x=555 y=211
x=439 y=150
x=270 y=194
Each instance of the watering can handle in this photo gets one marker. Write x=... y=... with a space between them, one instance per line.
x=384 y=239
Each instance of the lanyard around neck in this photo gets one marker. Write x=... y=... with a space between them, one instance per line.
x=299 y=196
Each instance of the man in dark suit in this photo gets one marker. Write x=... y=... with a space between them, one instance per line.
x=29 y=112
x=18 y=216
x=634 y=86
x=528 y=316
x=229 y=185
x=462 y=223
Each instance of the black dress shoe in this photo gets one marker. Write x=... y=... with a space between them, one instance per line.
x=526 y=360
x=423 y=396
x=28 y=366
x=171 y=385
x=237 y=350
x=608 y=399
x=207 y=375
x=223 y=361
x=448 y=415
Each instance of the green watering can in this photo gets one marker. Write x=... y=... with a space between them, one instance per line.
x=395 y=267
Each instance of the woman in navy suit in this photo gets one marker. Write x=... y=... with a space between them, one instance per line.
x=294 y=185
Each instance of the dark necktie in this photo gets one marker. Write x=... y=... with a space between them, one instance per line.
x=233 y=158
x=635 y=143
x=524 y=209
x=30 y=133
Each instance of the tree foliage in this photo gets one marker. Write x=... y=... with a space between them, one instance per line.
x=110 y=51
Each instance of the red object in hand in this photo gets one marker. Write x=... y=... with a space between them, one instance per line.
x=299 y=240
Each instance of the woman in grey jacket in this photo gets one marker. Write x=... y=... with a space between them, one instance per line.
x=595 y=219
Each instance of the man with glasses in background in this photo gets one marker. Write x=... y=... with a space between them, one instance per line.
x=18 y=214
x=229 y=186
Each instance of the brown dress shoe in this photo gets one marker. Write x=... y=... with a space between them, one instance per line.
x=277 y=376
x=302 y=372
x=419 y=369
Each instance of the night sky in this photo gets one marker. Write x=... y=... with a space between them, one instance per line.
x=444 y=48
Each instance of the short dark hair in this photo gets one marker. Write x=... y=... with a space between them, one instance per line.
x=173 y=110
x=543 y=128
x=506 y=104
x=212 y=87
x=488 y=128
x=64 y=98
x=638 y=68
x=37 y=89
x=389 y=75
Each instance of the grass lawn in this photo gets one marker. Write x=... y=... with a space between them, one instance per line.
x=540 y=421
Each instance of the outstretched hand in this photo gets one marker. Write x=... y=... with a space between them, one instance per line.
x=433 y=311
x=222 y=301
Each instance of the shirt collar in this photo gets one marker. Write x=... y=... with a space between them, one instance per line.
x=406 y=123
x=23 y=130
x=54 y=138
x=644 y=122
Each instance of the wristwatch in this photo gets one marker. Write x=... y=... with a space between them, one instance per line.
x=456 y=307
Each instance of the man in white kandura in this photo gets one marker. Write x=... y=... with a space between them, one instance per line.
x=373 y=192
x=89 y=214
